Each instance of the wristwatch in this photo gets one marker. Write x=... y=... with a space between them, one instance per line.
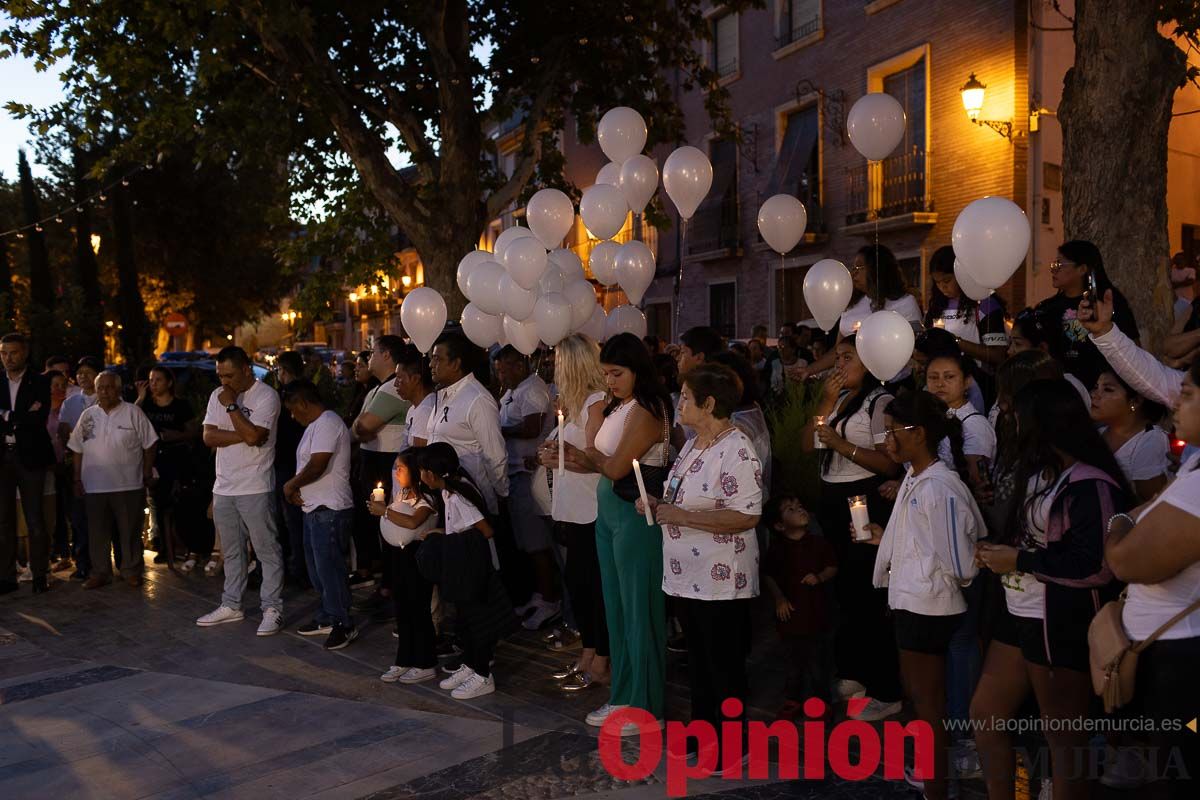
x=232 y=407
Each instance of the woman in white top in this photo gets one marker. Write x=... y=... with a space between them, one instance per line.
x=711 y=503
x=946 y=378
x=636 y=426
x=748 y=415
x=404 y=523
x=582 y=398
x=925 y=558
x=853 y=405
x=1129 y=429
x=1159 y=556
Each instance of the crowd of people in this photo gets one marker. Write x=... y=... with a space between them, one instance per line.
x=975 y=510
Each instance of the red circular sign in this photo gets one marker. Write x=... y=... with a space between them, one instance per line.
x=176 y=324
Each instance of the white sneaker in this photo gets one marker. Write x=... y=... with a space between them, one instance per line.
x=596 y=718
x=965 y=759
x=915 y=782
x=544 y=613
x=210 y=569
x=25 y=574
x=418 y=675
x=847 y=689
x=222 y=615
x=534 y=600
x=1047 y=792
x=188 y=565
x=272 y=623
x=1126 y=771
x=876 y=710
x=393 y=674
x=474 y=686
x=457 y=677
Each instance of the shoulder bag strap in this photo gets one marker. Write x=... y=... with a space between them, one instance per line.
x=666 y=446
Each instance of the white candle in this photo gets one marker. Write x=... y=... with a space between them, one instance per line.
x=819 y=420
x=939 y=323
x=561 y=457
x=637 y=474
x=377 y=495
x=860 y=518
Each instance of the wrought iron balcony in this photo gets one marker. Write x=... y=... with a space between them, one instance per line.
x=894 y=187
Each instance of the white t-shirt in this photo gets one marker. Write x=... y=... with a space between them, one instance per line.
x=385 y=403
x=416 y=421
x=1025 y=594
x=1144 y=455
x=112 y=445
x=710 y=566
x=242 y=469
x=906 y=306
x=73 y=407
x=461 y=514
x=573 y=498
x=530 y=397
x=1149 y=606
x=979 y=437
x=861 y=429
x=406 y=502
x=326 y=434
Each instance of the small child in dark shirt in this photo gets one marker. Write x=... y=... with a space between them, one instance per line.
x=798 y=563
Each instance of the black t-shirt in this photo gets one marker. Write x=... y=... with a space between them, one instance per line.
x=288 y=434
x=1082 y=359
x=174 y=416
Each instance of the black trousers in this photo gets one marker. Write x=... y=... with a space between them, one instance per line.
x=478 y=646
x=32 y=482
x=376 y=468
x=718 y=640
x=583 y=585
x=412 y=594
x=1167 y=691
x=864 y=643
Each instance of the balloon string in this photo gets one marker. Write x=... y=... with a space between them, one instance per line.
x=783 y=289
x=679 y=277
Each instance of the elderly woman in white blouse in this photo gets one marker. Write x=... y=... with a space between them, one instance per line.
x=710 y=505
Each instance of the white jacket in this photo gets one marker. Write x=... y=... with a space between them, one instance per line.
x=928 y=549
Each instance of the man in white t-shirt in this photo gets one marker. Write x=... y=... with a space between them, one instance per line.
x=524 y=407
x=321 y=487
x=114 y=446
x=414 y=384
x=240 y=424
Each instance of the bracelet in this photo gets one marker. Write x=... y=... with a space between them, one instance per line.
x=854 y=453
x=1115 y=517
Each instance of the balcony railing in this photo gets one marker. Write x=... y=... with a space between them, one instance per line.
x=796 y=29
x=713 y=228
x=891 y=188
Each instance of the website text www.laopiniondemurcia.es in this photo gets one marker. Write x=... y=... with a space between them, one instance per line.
x=822 y=744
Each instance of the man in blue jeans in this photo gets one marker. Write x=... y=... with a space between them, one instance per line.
x=321 y=487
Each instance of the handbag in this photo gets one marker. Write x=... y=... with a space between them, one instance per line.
x=655 y=477
x=1113 y=657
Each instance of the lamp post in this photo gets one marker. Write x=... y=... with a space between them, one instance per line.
x=972 y=99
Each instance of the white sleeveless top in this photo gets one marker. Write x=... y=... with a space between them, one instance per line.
x=613 y=427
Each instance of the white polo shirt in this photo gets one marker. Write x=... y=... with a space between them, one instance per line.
x=466 y=416
x=326 y=434
x=242 y=469
x=112 y=445
x=416 y=421
x=531 y=396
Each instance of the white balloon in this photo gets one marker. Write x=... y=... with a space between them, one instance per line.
x=550 y=215
x=467 y=265
x=507 y=237
x=603 y=262
x=525 y=259
x=423 y=315
x=885 y=344
x=518 y=302
x=827 y=290
x=481 y=328
x=967 y=284
x=635 y=269
x=875 y=125
x=638 y=181
x=622 y=133
x=595 y=326
x=582 y=298
x=568 y=263
x=610 y=173
x=687 y=176
x=991 y=238
x=483 y=287
x=552 y=281
x=603 y=210
x=553 y=318
x=781 y=221
x=625 y=319
x=521 y=334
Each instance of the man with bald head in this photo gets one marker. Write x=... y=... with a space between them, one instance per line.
x=114 y=445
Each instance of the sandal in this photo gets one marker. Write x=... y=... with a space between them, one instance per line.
x=579 y=682
x=210 y=569
x=563 y=674
x=188 y=566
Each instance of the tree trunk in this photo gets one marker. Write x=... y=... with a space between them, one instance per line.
x=6 y=302
x=1115 y=114
x=87 y=271
x=134 y=333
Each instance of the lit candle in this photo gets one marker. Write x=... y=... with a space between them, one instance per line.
x=857 y=325
x=637 y=473
x=561 y=448
x=939 y=323
x=819 y=419
x=860 y=518
x=377 y=495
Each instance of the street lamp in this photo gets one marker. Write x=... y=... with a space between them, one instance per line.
x=95 y=244
x=405 y=281
x=972 y=99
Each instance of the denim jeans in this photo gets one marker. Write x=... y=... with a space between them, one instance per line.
x=964 y=658
x=325 y=535
x=238 y=517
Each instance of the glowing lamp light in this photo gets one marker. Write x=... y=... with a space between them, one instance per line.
x=972 y=97
x=354 y=297
x=406 y=281
x=108 y=323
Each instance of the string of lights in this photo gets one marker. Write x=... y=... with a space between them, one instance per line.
x=58 y=217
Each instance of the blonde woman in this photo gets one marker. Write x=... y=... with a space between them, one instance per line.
x=582 y=397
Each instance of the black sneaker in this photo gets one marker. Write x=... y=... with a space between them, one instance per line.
x=677 y=644
x=370 y=603
x=314 y=628
x=340 y=636
x=448 y=649
x=357 y=581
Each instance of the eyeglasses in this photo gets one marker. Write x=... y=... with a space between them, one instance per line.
x=1057 y=265
x=857 y=268
x=880 y=438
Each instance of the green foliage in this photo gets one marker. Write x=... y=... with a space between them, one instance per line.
x=795 y=470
